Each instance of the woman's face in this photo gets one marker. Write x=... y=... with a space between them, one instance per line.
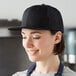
x=38 y=44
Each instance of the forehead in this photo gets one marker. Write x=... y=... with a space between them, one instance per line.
x=32 y=31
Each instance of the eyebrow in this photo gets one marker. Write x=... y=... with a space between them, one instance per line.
x=33 y=32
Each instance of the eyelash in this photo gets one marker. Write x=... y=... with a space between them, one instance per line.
x=23 y=37
x=33 y=37
x=36 y=37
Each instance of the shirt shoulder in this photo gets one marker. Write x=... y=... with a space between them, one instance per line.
x=68 y=72
x=21 y=73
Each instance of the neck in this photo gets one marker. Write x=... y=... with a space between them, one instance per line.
x=48 y=66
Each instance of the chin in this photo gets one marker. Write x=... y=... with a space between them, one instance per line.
x=33 y=59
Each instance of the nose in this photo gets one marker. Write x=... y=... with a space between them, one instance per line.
x=29 y=43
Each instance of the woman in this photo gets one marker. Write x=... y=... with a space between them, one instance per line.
x=42 y=33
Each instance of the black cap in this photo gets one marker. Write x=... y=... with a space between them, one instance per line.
x=41 y=17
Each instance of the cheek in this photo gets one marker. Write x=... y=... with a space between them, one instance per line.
x=44 y=44
x=45 y=48
x=39 y=44
x=23 y=43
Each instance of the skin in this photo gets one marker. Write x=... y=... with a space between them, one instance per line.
x=39 y=45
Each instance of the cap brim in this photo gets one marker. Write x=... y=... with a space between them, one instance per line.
x=15 y=28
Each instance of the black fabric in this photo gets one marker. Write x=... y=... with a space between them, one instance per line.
x=31 y=68
x=41 y=17
x=59 y=72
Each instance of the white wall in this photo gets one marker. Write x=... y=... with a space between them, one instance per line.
x=10 y=9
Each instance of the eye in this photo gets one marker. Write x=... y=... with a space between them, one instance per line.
x=24 y=37
x=36 y=37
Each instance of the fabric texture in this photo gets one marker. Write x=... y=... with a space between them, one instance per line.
x=66 y=72
x=41 y=17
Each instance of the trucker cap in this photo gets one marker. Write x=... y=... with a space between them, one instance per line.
x=41 y=17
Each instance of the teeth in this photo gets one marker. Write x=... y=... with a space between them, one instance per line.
x=32 y=50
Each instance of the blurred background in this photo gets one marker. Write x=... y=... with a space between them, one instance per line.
x=12 y=55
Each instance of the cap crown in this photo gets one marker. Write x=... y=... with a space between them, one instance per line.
x=42 y=17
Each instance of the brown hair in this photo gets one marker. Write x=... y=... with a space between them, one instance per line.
x=59 y=48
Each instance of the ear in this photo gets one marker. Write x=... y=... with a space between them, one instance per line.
x=58 y=36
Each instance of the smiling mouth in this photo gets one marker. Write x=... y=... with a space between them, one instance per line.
x=32 y=52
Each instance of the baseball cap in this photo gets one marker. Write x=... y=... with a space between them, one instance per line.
x=41 y=17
